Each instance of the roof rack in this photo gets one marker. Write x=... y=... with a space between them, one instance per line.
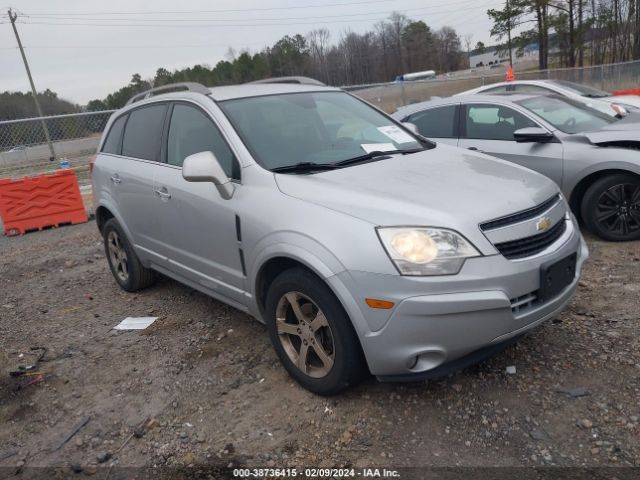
x=294 y=79
x=189 y=86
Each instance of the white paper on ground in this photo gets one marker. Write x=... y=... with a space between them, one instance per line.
x=396 y=134
x=135 y=323
x=378 y=147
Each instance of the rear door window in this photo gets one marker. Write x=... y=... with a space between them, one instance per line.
x=493 y=122
x=114 y=137
x=437 y=122
x=143 y=132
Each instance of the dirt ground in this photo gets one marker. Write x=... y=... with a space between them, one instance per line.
x=206 y=381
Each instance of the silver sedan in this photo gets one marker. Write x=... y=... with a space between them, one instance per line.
x=593 y=157
x=613 y=105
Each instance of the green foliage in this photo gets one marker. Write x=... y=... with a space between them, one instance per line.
x=480 y=48
x=21 y=105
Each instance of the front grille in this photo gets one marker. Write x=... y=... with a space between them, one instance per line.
x=528 y=246
x=520 y=216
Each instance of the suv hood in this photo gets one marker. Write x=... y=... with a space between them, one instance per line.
x=442 y=187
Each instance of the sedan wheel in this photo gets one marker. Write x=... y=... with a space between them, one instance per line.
x=305 y=334
x=618 y=209
x=611 y=207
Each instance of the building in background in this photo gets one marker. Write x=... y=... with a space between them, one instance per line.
x=491 y=56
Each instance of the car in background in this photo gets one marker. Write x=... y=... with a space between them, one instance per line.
x=362 y=246
x=593 y=157
x=592 y=97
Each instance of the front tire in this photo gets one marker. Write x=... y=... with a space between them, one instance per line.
x=125 y=265
x=312 y=334
x=611 y=207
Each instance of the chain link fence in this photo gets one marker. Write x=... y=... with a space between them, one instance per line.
x=391 y=96
x=24 y=149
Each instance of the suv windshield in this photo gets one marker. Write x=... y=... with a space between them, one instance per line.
x=318 y=128
x=582 y=90
x=566 y=115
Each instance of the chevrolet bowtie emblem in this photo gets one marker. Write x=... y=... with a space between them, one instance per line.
x=543 y=224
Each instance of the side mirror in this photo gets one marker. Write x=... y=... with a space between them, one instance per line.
x=411 y=127
x=532 y=134
x=204 y=167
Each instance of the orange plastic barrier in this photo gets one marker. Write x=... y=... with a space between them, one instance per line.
x=629 y=91
x=34 y=203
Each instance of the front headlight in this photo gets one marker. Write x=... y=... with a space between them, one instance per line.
x=426 y=251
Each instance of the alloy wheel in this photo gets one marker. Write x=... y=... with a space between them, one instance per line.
x=118 y=256
x=305 y=334
x=618 y=209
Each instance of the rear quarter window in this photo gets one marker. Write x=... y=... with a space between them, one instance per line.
x=114 y=138
x=143 y=132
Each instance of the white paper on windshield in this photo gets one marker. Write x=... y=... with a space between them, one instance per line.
x=396 y=134
x=378 y=147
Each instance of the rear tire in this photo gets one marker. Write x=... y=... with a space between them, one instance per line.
x=611 y=207
x=125 y=265
x=312 y=334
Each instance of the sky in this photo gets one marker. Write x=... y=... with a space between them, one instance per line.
x=87 y=49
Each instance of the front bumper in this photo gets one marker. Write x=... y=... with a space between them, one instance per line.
x=437 y=320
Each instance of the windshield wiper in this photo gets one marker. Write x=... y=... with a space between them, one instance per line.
x=304 y=167
x=376 y=154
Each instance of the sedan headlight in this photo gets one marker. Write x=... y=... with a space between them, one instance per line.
x=426 y=251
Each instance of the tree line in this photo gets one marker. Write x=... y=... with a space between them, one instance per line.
x=394 y=46
x=20 y=105
x=571 y=32
x=566 y=32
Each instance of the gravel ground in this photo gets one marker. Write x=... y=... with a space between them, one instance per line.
x=202 y=385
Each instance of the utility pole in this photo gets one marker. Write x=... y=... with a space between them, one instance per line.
x=13 y=16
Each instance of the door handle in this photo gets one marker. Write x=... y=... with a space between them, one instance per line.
x=162 y=193
x=116 y=178
x=475 y=149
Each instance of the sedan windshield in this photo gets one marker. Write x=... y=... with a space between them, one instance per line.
x=566 y=115
x=582 y=90
x=316 y=129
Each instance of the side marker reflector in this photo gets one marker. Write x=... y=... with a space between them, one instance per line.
x=381 y=304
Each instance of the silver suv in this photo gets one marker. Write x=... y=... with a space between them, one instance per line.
x=362 y=246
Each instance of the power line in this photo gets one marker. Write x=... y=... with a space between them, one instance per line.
x=262 y=9
x=199 y=25
x=91 y=47
x=307 y=17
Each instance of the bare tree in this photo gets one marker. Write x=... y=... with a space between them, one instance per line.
x=319 y=44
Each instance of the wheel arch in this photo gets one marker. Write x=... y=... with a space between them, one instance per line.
x=273 y=267
x=103 y=214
